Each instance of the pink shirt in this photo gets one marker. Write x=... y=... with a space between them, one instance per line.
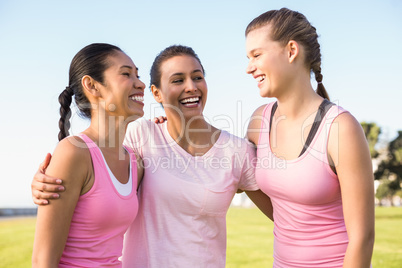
x=184 y=199
x=100 y=219
x=309 y=228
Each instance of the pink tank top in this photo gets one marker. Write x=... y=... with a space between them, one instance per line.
x=101 y=218
x=309 y=228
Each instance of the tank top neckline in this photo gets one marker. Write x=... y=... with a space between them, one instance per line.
x=103 y=162
x=322 y=110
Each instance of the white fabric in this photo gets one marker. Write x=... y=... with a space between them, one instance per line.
x=123 y=189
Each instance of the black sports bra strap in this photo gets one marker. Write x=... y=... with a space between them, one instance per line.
x=322 y=110
x=274 y=107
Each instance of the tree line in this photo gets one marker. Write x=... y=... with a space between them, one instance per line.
x=389 y=162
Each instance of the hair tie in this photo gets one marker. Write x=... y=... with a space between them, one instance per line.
x=319 y=82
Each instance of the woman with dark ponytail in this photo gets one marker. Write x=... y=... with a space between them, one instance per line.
x=85 y=227
x=323 y=200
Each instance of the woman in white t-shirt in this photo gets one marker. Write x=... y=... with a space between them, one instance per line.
x=192 y=171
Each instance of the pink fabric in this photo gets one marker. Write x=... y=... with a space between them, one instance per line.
x=309 y=228
x=100 y=219
x=184 y=199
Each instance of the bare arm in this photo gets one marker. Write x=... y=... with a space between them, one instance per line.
x=260 y=199
x=348 y=150
x=70 y=164
x=140 y=170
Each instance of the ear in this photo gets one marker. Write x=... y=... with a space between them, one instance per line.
x=89 y=86
x=156 y=93
x=293 y=50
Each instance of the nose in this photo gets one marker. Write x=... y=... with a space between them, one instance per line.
x=138 y=84
x=250 y=67
x=190 y=86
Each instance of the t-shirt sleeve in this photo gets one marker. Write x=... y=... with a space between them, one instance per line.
x=134 y=137
x=247 y=177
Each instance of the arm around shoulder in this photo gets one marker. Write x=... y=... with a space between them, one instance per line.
x=72 y=164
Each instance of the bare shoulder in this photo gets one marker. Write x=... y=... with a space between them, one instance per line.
x=73 y=147
x=71 y=158
x=346 y=126
x=254 y=126
x=259 y=110
x=347 y=141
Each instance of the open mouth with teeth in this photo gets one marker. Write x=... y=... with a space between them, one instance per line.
x=190 y=102
x=260 y=78
x=138 y=98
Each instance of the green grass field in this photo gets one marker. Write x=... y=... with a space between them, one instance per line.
x=250 y=240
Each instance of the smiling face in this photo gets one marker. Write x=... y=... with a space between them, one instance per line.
x=183 y=90
x=268 y=62
x=122 y=92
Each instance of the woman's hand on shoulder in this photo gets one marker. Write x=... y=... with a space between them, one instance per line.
x=45 y=186
x=159 y=120
x=71 y=162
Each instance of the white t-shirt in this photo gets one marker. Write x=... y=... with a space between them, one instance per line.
x=183 y=199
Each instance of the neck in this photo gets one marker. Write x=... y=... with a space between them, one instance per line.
x=299 y=99
x=107 y=131
x=189 y=132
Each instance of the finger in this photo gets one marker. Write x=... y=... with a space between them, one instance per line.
x=45 y=162
x=161 y=119
x=43 y=182
x=41 y=177
x=44 y=185
x=39 y=195
x=40 y=201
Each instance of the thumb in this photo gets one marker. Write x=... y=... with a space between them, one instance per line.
x=43 y=166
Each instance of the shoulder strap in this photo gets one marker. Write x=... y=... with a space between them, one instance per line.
x=322 y=110
x=274 y=107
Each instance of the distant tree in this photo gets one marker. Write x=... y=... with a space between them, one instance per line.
x=384 y=191
x=390 y=169
x=372 y=131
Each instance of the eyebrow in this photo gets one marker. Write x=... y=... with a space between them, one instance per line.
x=128 y=66
x=195 y=71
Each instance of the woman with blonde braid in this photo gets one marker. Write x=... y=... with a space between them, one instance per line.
x=323 y=199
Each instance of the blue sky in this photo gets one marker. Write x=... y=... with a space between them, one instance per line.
x=361 y=63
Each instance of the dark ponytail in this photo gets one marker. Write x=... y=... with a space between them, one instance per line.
x=92 y=60
x=65 y=99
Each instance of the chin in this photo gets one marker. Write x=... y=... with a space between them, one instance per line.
x=265 y=94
